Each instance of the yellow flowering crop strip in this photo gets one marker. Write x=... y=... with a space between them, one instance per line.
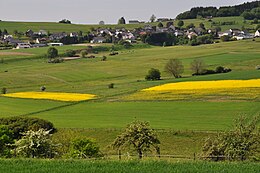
x=223 y=90
x=200 y=85
x=68 y=97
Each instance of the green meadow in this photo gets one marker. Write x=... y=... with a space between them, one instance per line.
x=178 y=122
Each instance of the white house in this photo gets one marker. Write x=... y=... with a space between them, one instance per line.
x=98 y=40
x=257 y=33
x=55 y=44
x=23 y=45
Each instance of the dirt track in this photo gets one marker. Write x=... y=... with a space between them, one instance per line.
x=14 y=53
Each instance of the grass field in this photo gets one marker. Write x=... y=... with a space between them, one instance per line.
x=71 y=166
x=182 y=125
x=57 y=27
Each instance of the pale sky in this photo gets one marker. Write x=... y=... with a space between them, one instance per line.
x=93 y=11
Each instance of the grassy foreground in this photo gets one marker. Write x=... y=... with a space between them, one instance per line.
x=78 y=166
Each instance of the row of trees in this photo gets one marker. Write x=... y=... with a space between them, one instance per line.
x=236 y=10
x=240 y=143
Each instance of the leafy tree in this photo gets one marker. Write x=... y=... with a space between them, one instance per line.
x=121 y=20
x=140 y=136
x=70 y=53
x=152 y=18
x=52 y=53
x=84 y=148
x=101 y=23
x=160 y=25
x=225 y=38
x=5 y=32
x=197 y=66
x=4 y=90
x=20 y=125
x=240 y=143
x=180 y=23
x=6 y=138
x=35 y=144
x=174 y=67
x=191 y=25
x=83 y=53
x=153 y=74
x=202 y=26
x=65 y=21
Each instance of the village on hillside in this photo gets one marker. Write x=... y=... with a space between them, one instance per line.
x=44 y=38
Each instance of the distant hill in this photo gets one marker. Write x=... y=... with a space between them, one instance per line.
x=224 y=11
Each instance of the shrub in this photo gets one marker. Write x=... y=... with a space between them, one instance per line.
x=83 y=53
x=6 y=138
x=153 y=74
x=84 y=148
x=55 y=60
x=22 y=124
x=35 y=144
x=111 y=85
x=4 y=90
x=240 y=143
x=52 y=53
x=225 y=38
x=70 y=53
x=104 y=58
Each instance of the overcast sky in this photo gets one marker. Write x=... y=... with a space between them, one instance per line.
x=93 y=11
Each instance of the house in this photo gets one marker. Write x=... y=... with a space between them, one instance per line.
x=98 y=40
x=191 y=34
x=29 y=33
x=7 y=37
x=23 y=45
x=178 y=33
x=134 y=22
x=55 y=44
x=40 y=40
x=74 y=34
x=163 y=19
x=42 y=33
x=226 y=33
x=38 y=45
x=257 y=33
x=58 y=36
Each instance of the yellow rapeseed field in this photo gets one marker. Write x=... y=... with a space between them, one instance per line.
x=223 y=90
x=68 y=97
x=198 y=85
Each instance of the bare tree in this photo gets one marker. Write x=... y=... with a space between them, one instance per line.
x=174 y=67
x=197 y=66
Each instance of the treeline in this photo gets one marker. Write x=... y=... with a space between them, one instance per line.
x=169 y=39
x=225 y=11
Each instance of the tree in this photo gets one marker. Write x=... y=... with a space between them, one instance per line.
x=6 y=138
x=202 y=26
x=35 y=144
x=152 y=18
x=84 y=148
x=5 y=32
x=83 y=53
x=65 y=21
x=240 y=143
x=197 y=66
x=121 y=20
x=52 y=53
x=140 y=136
x=174 y=67
x=101 y=23
x=153 y=74
x=160 y=25
x=180 y=23
x=191 y=25
x=1 y=33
